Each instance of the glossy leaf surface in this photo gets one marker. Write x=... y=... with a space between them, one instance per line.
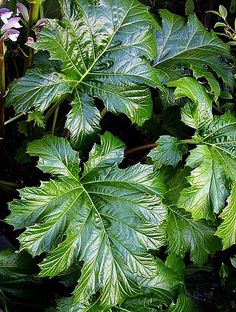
x=188 y=45
x=199 y=112
x=183 y=304
x=214 y=169
x=227 y=230
x=103 y=218
x=185 y=235
x=169 y=151
x=105 y=49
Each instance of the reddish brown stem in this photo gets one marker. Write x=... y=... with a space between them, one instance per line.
x=140 y=148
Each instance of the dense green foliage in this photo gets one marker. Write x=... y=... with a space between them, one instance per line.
x=122 y=239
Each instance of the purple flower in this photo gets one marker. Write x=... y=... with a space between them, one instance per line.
x=40 y=23
x=12 y=23
x=5 y=14
x=7 y=30
x=11 y=34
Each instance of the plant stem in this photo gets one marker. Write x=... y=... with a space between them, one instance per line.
x=34 y=12
x=10 y=184
x=13 y=118
x=2 y=87
x=140 y=148
x=33 y=17
x=103 y=112
x=153 y=145
x=189 y=141
x=41 y=10
x=55 y=120
x=54 y=106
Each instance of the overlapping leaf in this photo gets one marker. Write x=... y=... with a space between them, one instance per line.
x=18 y=286
x=169 y=151
x=227 y=230
x=198 y=112
x=186 y=235
x=214 y=164
x=109 y=218
x=159 y=291
x=183 y=304
x=188 y=45
x=183 y=233
x=105 y=49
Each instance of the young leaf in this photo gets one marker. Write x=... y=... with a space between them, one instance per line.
x=213 y=83
x=214 y=169
x=37 y=118
x=169 y=151
x=227 y=230
x=189 y=7
x=197 y=47
x=220 y=24
x=105 y=52
x=103 y=218
x=223 y=11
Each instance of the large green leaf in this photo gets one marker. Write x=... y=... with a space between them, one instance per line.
x=189 y=45
x=108 y=218
x=227 y=230
x=214 y=163
x=105 y=50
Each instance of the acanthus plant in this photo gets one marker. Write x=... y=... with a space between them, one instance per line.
x=104 y=225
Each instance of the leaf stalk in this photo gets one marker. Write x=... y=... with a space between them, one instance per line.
x=54 y=106
x=190 y=141
x=140 y=149
x=14 y=118
x=153 y=145
x=55 y=120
